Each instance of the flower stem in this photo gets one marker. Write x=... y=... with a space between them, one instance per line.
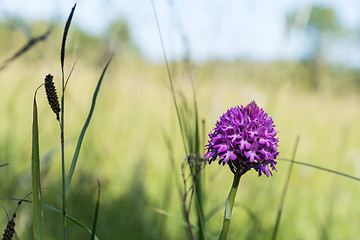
x=229 y=205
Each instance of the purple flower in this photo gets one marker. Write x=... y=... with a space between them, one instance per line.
x=244 y=138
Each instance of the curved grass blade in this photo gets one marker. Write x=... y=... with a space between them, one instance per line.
x=83 y=131
x=67 y=79
x=71 y=219
x=170 y=78
x=7 y=214
x=321 y=168
x=31 y=43
x=283 y=195
x=60 y=212
x=96 y=213
x=197 y=181
x=38 y=224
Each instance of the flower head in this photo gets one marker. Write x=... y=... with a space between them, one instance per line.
x=244 y=138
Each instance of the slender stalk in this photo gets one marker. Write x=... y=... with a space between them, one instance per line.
x=283 y=195
x=62 y=60
x=62 y=140
x=229 y=205
x=63 y=158
x=170 y=77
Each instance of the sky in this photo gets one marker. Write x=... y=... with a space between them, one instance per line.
x=207 y=29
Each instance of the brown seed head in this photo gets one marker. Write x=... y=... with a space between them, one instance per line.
x=10 y=230
x=51 y=95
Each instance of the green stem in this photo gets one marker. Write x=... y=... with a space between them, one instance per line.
x=229 y=205
x=63 y=155
x=283 y=195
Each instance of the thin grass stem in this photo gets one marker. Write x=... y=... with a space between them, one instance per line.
x=283 y=195
x=62 y=123
x=169 y=76
x=67 y=79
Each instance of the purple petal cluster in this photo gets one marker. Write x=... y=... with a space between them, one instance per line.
x=244 y=138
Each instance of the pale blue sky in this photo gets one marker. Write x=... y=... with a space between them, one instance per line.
x=251 y=29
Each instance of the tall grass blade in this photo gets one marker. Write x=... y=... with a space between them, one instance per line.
x=83 y=131
x=62 y=122
x=170 y=77
x=38 y=224
x=194 y=145
x=66 y=30
x=96 y=213
x=283 y=195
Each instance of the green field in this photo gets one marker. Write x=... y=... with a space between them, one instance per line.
x=126 y=146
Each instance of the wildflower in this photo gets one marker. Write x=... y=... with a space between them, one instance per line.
x=52 y=96
x=244 y=138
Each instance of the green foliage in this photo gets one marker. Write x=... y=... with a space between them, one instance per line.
x=319 y=18
x=124 y=148
x=324 y=19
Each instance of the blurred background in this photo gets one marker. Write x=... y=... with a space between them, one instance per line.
x=299 y=60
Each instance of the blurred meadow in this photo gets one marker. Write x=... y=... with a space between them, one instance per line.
x=134 y=147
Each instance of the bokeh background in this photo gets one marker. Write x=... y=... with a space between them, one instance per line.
x=299 y=60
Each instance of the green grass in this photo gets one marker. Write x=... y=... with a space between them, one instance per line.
x=124 y=146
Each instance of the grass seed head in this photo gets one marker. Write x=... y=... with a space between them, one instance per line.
x=10 y=229
x=51 y=95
